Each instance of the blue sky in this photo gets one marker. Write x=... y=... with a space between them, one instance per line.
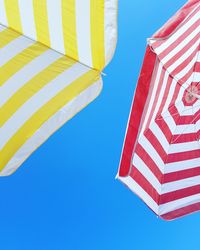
x=65 y=197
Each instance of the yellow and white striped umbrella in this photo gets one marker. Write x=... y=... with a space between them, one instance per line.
x=52 y=53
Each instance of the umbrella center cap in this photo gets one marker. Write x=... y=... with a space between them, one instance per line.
x=190 y=96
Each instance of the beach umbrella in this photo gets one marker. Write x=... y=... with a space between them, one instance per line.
x=161 y=154
x=52 y=55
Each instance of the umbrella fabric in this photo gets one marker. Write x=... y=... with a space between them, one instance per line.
x=84 y=30
x=161 y=155
x=52 y=54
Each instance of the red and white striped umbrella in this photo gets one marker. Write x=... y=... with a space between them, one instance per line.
x=161 y=156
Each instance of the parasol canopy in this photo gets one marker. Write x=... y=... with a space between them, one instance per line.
x=52 y=54
x=161 y=155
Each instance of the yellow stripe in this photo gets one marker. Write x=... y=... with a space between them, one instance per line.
x=32 y=87
x=19 y=61
x=13 y=14
x=43 y=114
x=7 y=36
x=97 y=34
x=69 y=28
x=41 y=21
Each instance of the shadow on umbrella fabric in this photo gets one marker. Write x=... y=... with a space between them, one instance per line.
x=52 y=54
x=161 y=154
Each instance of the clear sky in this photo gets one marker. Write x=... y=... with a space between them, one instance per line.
x=65 y=196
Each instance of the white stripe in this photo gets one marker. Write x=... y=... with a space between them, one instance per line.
x=83 y=29
x=27 y=18
x=38 y=100
x=183 y=147
x=181 y=184
x=198 y=126
x=177 y=204
x=185 y=129
x=14 y=48
x=182 y=165
x=110 y=24
x=3 y=18
x=198 y=58
x=24 y=75
x=196 y=77
x=134 y=187
x=54 y=9
x=51 y=125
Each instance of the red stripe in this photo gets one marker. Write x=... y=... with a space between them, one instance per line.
x=180 y=175
x=179 y=194
x=181 y=212
x=190 y=137
x=197 y=67
x=137 y=110
x=188 y=119
x=183 y=156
